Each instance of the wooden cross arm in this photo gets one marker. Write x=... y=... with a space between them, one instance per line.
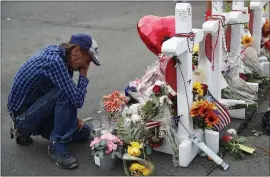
x=210 y=26
x=257 y=5
x=178 y=45
x=238 y=17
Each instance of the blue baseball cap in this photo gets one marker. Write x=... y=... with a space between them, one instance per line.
x=85 y=41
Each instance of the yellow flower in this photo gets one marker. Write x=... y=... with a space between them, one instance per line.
x=134 y=167
x=134 y=151
x=247 y=40
x=197 y=104
x=138 y=167
x=196 y=48
x=136 y=144
x=197 y=88
x=146 y=172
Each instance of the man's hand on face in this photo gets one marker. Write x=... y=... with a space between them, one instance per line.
x=83 y=70
x=80 y=123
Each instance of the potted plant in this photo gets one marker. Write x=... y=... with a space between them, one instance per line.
x=104 y=150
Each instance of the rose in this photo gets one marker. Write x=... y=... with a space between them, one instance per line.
x=267 y=45
x=157 y=89
x=204 y=87
x=227 y=138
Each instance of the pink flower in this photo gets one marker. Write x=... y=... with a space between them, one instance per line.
x=95 y=141
x=110 y=137
x=110 y=147
x=107 y=136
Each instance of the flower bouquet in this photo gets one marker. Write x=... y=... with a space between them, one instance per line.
x=114 y=104
x=133 y=164
x=204 y=114
x=234 y=144
x=104 y=150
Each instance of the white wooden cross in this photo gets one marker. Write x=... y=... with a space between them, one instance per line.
x=215 y=79
x=180 y=47
x=257 y=8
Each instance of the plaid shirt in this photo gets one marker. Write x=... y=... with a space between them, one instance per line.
x=42 y=72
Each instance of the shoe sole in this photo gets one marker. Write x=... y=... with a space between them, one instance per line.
x=64 y=167
x=69 y=168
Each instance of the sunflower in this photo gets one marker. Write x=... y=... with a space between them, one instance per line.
x=247 y=40
x=211 y=119
x=210 y=105
x=203 y=111
x=194 y=112
x=197 y=88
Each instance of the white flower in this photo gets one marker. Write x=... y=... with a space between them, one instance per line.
x=164 y=99
x=134 y=108
x=149 y=91
x=127 y=122
x=124 y=113
x=159 y=83
x=135 y=118
x=231 y=131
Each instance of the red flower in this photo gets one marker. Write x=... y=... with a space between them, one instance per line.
x=204 y=87
x=243 y=76
x=267 y=45
x=157 y=89
x=193 y=67
x=227 y=138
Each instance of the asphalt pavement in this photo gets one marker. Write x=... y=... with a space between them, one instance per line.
x=30 y=26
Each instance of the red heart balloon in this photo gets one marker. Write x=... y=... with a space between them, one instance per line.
x=154 y=30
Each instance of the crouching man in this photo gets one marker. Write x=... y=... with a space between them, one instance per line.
x=44 y=99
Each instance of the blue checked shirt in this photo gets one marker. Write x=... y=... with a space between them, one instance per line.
x=42 y=72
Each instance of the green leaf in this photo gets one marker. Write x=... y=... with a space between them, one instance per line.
x=103 y=143
x=246 y=149
x=93 y=153
x=101 y=154
x=241 y=139
x=96 y=145
x=96 y=153
x=113 y=155
x=118 y=154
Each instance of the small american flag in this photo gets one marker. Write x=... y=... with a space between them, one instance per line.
x=224 y=116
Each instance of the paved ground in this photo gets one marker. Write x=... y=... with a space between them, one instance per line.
x=28 y=26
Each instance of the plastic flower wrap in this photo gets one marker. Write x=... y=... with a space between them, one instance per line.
x=249 y=57
x=238 y=86
x=134 y=166
x=151 y=75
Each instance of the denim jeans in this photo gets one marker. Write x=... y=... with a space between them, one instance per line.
x=53 y=117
